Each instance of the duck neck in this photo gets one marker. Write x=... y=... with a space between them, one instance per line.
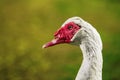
x=91 y=68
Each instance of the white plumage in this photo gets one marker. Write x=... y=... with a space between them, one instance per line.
x=90 y=43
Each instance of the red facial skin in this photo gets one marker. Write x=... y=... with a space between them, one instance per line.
x=64 y=34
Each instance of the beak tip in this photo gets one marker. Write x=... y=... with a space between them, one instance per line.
x=44 y=46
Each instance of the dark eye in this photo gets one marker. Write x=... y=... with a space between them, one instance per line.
x=70 y=27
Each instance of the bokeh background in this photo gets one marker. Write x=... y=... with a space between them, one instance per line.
x=25 y=25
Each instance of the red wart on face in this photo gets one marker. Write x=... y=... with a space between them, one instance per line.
x=64 y=34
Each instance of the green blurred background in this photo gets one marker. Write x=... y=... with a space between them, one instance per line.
x=25 y=25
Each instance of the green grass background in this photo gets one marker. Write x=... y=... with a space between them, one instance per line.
x=25 y=25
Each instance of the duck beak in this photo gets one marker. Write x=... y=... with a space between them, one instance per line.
x=53 y=42
x=63 y=35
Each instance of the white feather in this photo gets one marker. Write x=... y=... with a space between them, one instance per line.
x=91 y=45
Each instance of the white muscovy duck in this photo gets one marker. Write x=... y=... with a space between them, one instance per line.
x=79 y=32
